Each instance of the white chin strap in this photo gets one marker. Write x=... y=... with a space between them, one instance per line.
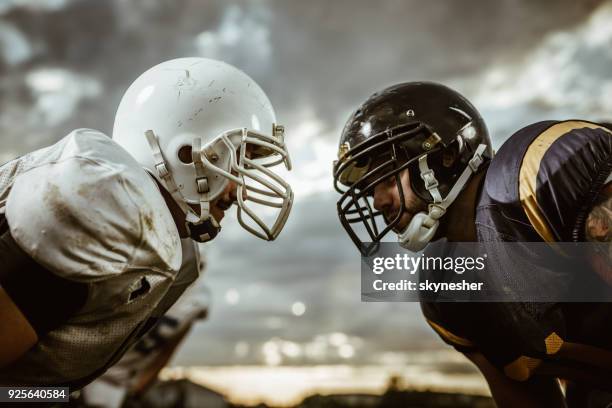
x=423 y=226
x=210 y=225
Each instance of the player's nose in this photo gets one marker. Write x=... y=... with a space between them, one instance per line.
x=383 y=198
x=232 y=189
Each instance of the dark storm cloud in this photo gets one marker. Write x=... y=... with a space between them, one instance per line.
x=342 y=51
x=324 y=56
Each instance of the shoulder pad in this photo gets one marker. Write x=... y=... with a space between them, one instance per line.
x=91 y=211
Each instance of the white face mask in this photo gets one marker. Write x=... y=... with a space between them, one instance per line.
x=257 y=184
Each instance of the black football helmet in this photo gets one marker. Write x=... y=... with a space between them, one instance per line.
x=425 y=127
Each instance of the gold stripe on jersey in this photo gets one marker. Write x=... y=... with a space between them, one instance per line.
x=530 y=167
x=522 y=368
x=450 y=337
x=553 y=343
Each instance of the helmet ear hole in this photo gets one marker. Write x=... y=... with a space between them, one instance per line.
x=184 y=154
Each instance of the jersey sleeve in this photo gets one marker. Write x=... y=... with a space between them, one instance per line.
x=74 y=227
x=187 y=275
x=539 y=187
x=437 y=314
x=46 y=300
x=560 y=176
x=91 y=213
x=447 y=319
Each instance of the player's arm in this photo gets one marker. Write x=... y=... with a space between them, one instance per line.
x=598 y=229
x=148 y=377
x=16 y=333
x=558 y=176
x=507 y=393
x=33 y=301
x=537 y=392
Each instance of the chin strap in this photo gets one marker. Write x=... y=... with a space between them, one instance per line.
x=206 y=227
x=205 y=231
x=423 y=226
x=202 y=228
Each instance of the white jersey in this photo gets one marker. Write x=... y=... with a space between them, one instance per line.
x=85 y=210
x=110 y=390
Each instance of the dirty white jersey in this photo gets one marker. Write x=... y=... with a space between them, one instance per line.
x=87 y=211
x=113 y=387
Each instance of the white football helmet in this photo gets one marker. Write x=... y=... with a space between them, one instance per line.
x=196 y=124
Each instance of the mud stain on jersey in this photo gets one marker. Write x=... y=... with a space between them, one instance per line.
x=167 y=250
x=58 y=206
x=84 y=191
x=62 y=213
x=148 y=222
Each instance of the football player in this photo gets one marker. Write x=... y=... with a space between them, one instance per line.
x=91 y=227
x=418 y=157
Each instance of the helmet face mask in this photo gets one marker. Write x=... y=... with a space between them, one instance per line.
x=190 y=122
x=383 y=157
x=260 y=185
x=424 y=128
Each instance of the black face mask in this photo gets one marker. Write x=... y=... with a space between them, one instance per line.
x=202 y=232
x=384 y=156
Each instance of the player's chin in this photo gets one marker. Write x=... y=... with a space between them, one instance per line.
x=402 y=223
x=218 y=214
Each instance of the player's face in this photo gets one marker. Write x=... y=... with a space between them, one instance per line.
x=387 y=200
x=222 y=203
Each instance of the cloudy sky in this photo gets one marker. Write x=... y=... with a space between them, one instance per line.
x=65 y=64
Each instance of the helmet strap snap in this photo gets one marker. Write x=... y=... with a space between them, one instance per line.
x=204 y=231
x=422 y=227
x=201 y=228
